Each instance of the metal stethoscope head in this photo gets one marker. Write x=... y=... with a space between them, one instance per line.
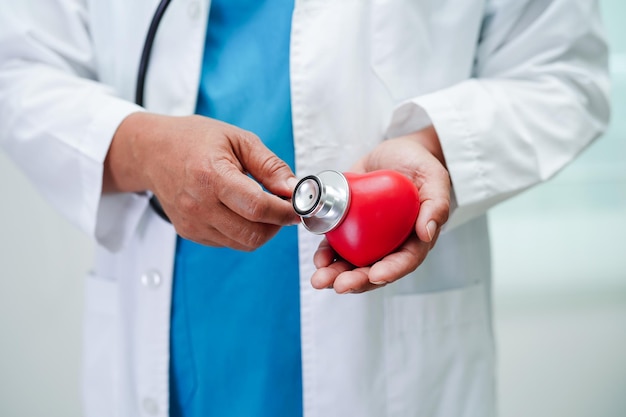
x=322 y=200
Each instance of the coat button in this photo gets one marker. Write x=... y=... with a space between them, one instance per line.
x=150 y=406
x=151 y=279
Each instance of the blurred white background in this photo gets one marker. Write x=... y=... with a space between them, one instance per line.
x=560 y=276
x=560 y=286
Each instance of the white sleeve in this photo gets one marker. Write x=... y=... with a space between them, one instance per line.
x=539 y=96
x=56 y=120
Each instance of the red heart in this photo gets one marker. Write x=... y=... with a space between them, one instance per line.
x=382 y=213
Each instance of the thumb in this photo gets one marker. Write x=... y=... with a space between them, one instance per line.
x=435 y=203
x=265 y=167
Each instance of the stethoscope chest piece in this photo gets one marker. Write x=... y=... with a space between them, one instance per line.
x=322 y=201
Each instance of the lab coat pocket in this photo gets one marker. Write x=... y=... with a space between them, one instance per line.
x=440 y=355
x=413 y=42
x=399 y=38
x=100 y=333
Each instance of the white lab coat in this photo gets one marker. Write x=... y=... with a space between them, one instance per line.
x=515 y=89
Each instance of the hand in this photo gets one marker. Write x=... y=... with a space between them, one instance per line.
x=420 y=158
x=197 y=167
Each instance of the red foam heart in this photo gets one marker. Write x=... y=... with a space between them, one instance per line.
x=382 y=213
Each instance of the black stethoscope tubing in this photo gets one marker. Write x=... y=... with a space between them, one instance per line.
x=141 y=80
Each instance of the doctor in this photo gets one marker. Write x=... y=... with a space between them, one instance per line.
x=226 y=312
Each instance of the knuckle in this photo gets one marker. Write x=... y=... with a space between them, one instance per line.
x=443 y=208
x=272 y=165
x=256 y=208
x=201 y=178
x=446 y=212
x=255 y=239
x=243 y=140
x=188 y=205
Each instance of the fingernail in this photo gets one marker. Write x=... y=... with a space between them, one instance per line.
x=431 y=228
x=292 y=182
x=379 y=282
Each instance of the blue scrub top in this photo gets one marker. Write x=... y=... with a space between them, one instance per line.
x=235 y=329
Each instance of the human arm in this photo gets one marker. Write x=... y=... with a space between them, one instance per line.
x=198 y=168
x=419 y=157
x=59 y=115
x=56 y=120
x=538 y=96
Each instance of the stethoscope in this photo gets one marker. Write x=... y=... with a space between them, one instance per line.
x=141 y=80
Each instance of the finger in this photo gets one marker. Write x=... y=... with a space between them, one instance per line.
x=216 y=239
x=264 y=165
x=208 y=236
x=324 y=255
x=353 y=281
x=343 y=279
x=248 y=234
x=325 y=277
x=359 y=166
x=214 y=223
x=244 y=196
x=434 y=195
x=400 y=263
